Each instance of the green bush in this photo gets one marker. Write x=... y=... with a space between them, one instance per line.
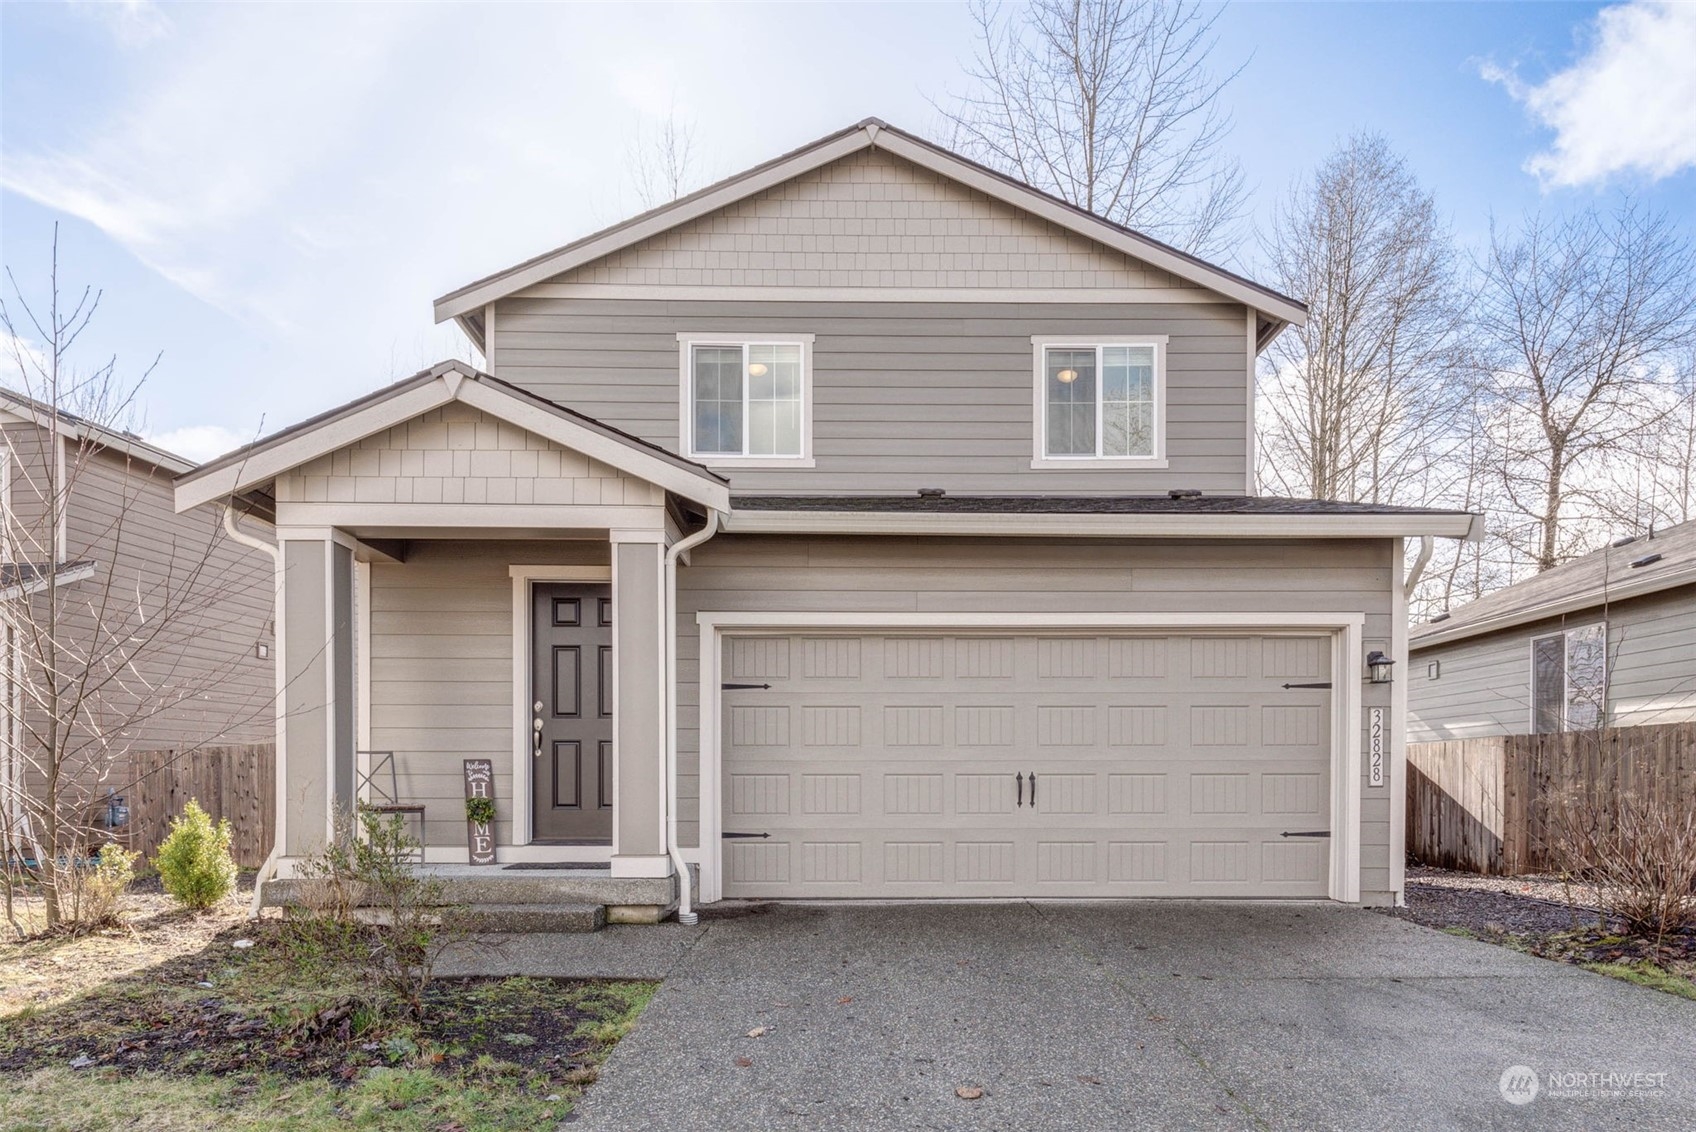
x=194 y=863
x=97 y=891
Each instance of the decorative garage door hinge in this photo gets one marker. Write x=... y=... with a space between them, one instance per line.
x=735 y=687
x=1307 y=833
x=1321 y=684
x=729 y=836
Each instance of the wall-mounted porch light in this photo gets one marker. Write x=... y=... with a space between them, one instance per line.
x=1379 y=666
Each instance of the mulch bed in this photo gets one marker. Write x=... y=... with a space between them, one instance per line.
x=538 y=1027
x=1538 y=914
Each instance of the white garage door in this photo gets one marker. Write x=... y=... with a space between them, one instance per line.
x=1021 y=765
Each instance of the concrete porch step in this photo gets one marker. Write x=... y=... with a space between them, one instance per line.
x=511 y=919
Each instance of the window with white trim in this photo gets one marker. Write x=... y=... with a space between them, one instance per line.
x=1569 y=680
x=746 y=399
x=1100 y=401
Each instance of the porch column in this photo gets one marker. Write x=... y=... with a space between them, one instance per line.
x=317 y=707
x=638 y=838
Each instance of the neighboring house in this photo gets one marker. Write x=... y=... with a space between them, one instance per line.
x=868 y=524
x=161 y=623
x=1608 y=639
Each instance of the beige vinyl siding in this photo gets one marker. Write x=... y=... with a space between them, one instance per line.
x=905 y=395
x=213 y=688
x=1031 y=576
x=1484 y=683
x=441 y=669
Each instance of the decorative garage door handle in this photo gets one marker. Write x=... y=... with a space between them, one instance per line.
x=1307 y=833
x=734 y=836
x=1033 y=789
x=739 y=687
x=1019 y=782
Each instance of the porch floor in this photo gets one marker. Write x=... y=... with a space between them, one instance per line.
x=486 y=891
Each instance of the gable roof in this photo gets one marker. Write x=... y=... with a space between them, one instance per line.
x=258 y=463
x=466 y=303
x=1606 y=575
x=101 y=436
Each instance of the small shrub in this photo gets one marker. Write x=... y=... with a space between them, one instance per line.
x=194 y=863
x=1637 y=853
x=94 y=892
x=373 y=906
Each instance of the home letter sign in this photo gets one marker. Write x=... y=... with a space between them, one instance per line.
x=480 y=835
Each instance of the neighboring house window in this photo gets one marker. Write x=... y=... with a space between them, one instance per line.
x=1569 y=680
x=1100 y=402
x=747 y=399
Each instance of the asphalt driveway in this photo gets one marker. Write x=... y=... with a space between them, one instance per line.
x=1168 y=1015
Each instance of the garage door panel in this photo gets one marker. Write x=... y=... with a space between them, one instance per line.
x=904 y=766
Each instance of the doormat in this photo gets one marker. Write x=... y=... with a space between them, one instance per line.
x=556 y=866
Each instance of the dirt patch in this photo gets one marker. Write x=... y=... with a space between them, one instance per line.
x=42 y=971
x=226 y=1008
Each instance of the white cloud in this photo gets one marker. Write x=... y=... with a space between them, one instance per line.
x=134 y=23
x=1627 y=106
x=199 y=442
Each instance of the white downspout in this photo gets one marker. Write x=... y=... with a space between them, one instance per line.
x=685 y=910
x=243 y=538
x=1417 y=570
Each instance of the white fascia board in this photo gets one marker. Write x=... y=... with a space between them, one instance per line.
x=694 y=486
x=557 y=263
x=268 y=463
x=1084 y=225
x=1573 y=603
x=1096 y=526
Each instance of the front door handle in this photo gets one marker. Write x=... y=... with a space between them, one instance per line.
x=1019 y=781
x=536 y=738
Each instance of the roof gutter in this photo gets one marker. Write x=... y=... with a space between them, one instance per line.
x=1063 y=525
x=686 y=913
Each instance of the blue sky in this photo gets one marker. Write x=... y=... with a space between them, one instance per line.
x=272 y=195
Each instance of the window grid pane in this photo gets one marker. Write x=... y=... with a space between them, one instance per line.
x=718 y=400
x=1071 y=396
x=1127 y=401
x=774 y=400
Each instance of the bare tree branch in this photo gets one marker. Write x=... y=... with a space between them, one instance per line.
x=1110 y=105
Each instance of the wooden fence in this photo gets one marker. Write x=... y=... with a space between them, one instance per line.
x=1487 y=805
x=238 y=783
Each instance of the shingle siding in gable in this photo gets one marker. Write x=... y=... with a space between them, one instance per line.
x=457 y=454
x=871 y=220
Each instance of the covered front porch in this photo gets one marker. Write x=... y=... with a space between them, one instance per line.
x=469 y=572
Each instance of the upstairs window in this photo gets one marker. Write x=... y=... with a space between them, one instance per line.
x=1100 y=403
x=747 y=400
x=1569 y=680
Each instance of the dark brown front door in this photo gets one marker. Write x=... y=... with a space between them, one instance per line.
x=571 y=712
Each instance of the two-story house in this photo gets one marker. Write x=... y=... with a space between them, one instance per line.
x=868 y=524
x=125 y=626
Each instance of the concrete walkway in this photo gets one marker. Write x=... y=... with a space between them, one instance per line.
x=1116 y=1017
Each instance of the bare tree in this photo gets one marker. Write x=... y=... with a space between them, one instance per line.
x=1577 y=318
x=102 y=640
x=663 y=161
x=1361 y=403
x=1110 y=105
